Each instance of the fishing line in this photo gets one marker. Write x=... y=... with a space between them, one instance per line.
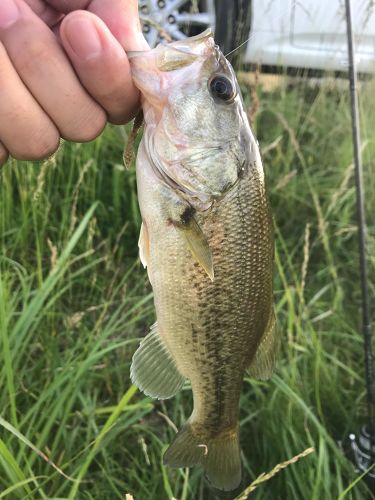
x=241 y=45
x=277 y=19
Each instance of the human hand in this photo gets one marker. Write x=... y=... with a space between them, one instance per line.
x=64 y=72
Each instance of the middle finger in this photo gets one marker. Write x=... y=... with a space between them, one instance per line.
x=46 y=71
x=46 y=13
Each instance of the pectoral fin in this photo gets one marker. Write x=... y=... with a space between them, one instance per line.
x=182 y=217
x=153 y=369
x=144 y=245
x=198 y=245
x=262 y=364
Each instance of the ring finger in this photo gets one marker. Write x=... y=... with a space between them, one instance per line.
x=25 y=130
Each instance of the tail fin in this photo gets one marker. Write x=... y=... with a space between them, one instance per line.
x=220 y=456
x=222 y=462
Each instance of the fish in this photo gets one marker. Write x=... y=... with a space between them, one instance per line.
x=206 y=241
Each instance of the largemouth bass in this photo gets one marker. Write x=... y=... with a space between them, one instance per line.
x=206 y=240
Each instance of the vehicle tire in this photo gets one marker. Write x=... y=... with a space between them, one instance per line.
x=230 y=20
x=233 y=20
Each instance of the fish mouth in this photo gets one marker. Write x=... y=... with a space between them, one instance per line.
x=193 y=44
x=178 y=54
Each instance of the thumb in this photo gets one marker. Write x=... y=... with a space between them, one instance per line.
x=100 y=63
x=120 y=16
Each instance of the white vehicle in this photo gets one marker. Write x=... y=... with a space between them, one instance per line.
x=292 y=33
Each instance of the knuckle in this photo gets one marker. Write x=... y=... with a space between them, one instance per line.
x=123 y=116
x=39 y=146
x=88 y=126
x=37 y=50
x=3 y=155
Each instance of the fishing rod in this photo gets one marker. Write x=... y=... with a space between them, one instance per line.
x=362 y=444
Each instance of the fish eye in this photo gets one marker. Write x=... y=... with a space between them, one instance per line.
x=222 y=88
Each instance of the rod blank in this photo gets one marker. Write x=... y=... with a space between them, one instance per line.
x=361 y=219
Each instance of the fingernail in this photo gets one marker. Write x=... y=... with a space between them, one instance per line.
x=9 y=13
x=82 y=37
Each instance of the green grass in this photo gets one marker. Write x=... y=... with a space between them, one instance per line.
x=74 y=300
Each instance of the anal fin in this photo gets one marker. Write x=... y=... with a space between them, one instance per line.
x=263 y=363
x=153 y=369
